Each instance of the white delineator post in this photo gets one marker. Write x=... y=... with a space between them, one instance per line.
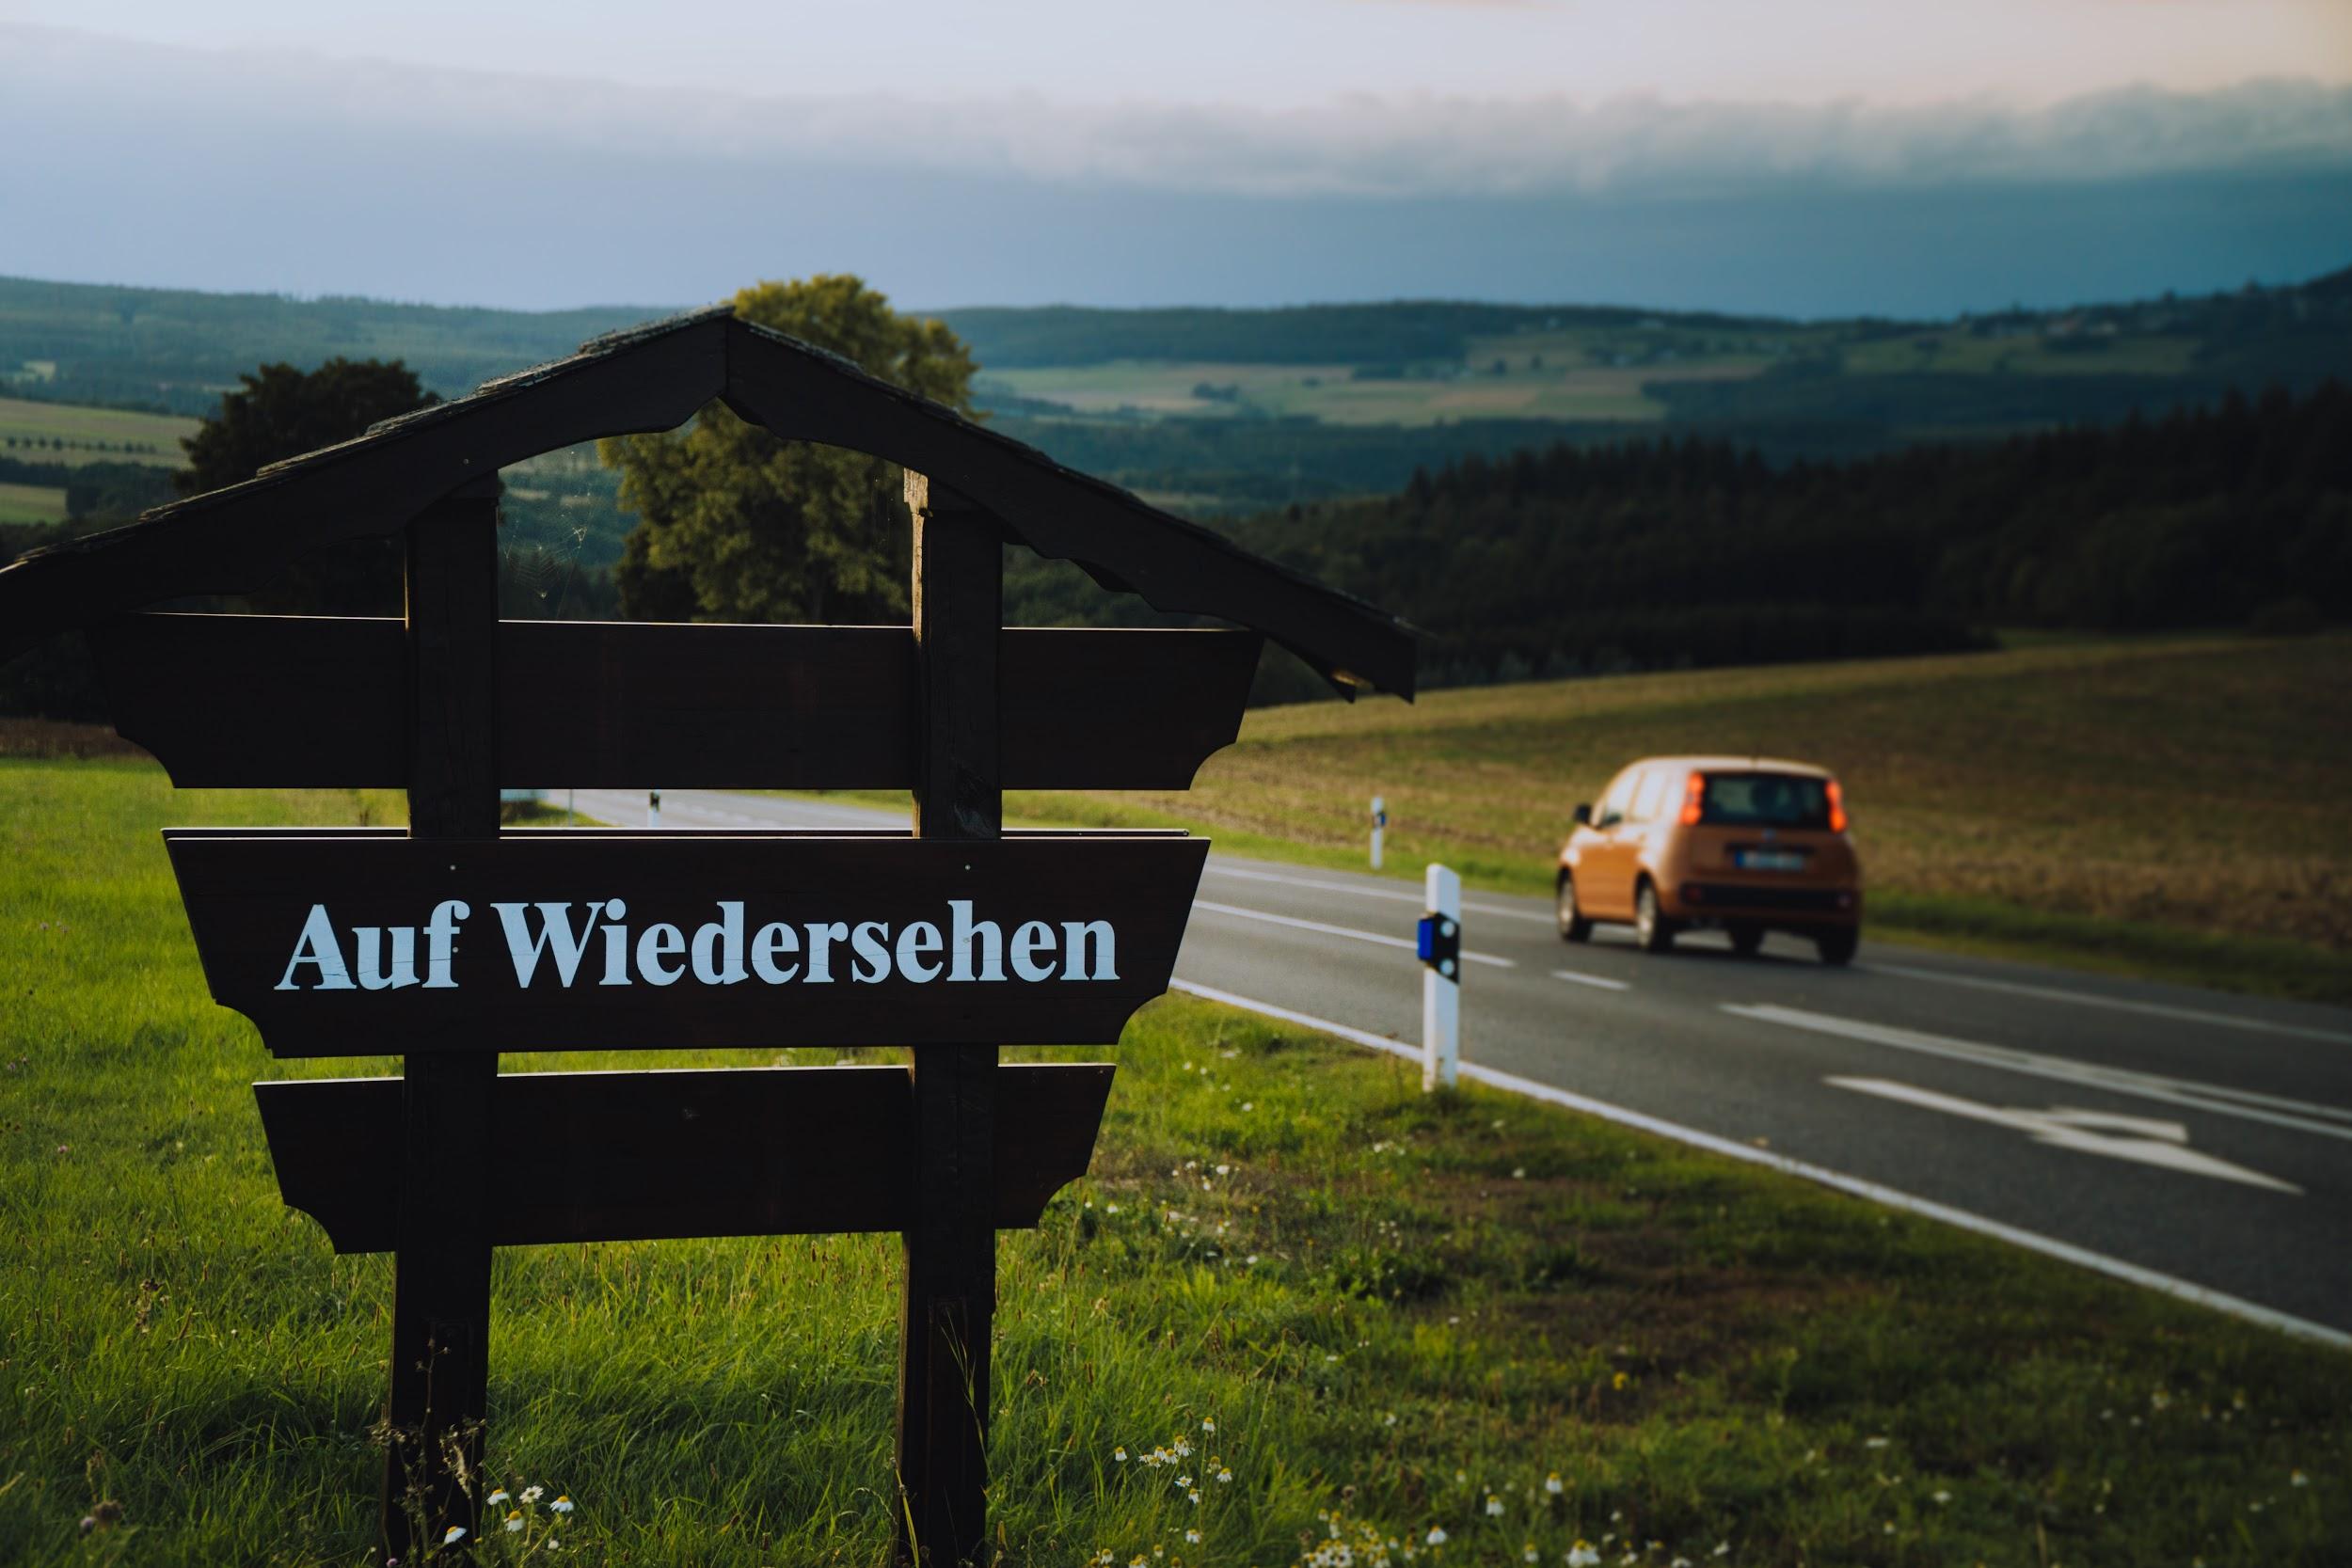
x=1442 y=980
x=1379 y=827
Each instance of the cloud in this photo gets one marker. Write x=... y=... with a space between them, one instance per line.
x=1352 y=148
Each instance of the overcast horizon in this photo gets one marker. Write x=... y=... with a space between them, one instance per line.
x=313 y=167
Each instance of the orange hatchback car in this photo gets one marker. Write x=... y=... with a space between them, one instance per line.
x=1742 y=844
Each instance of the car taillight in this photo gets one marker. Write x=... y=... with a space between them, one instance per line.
x=1693 y=799
x=1836 y=808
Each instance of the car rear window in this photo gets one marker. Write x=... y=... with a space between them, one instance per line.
x=1765 y=800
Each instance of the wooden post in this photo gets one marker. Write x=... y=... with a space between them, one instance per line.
x=442 y=1268
x=947 y=1319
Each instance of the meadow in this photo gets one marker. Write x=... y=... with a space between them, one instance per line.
x=31 y=503
x=2170 y=807
x=1568 y=385
x=1298 y=1306
x=37 y=431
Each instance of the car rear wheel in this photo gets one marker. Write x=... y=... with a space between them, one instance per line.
x=1652 y=931
x=1838 y=947
x=1573 y=926
x=1745 y=940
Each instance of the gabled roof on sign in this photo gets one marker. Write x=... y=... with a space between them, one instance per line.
x=654 y=378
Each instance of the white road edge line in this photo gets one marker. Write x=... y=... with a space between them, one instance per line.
x=2121 y=1003
x=1384 y=940
x=2050 y=1246
x=1397 y=895
x=1572 y=976
x=2140 y=1086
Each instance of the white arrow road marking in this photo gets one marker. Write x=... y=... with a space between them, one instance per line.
x=2147 y=1143
x=2218 y=1100
x=1384 y=940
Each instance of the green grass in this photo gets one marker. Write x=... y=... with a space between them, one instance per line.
x=89 y=435
x=1961 y=353
x=1389 y=1305
x=2164 y=807
x=31 y=503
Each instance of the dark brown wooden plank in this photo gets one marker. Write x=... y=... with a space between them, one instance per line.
x=947 y=1323
x=252 y=900
x=601 y=704
x=440 y=1352
x=292 y=702
x=1130 y=709
x=651 y=1156
x=284 y=701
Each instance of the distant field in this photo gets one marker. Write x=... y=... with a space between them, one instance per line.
x=1570 y=373
x=31 y=503
x=29 y=431
x=1530 y=386
x=2173 y=808
x=1566 y=373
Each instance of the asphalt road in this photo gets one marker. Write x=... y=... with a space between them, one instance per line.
x=2205 y=1137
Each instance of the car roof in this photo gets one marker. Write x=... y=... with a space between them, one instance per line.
x=1735 y=765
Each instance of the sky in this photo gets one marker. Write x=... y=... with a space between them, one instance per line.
x=1807 y=157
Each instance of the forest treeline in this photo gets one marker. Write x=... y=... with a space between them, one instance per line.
x=1668 y=553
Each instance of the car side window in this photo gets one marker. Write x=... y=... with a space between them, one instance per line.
x=1620 y=795
x=1645 y=799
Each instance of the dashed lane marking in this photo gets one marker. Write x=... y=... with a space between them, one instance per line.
x=1349 y=931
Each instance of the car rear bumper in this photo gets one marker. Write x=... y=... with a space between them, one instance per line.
x=1709 y=900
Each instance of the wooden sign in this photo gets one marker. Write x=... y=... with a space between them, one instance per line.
x=454 y=940
x=367 y=944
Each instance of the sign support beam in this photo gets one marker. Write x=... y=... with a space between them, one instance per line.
x=442 y=1268
x=947 y=1316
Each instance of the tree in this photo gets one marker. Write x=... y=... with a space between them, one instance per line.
x=735 y=525
x=284 y=412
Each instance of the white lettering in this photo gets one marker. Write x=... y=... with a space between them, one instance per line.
x=1075 y=934
x=725 y=951
x=719 y=946
x=820 y=941
x=1026 y=942
x=770 y=941
x=370 y=939
x=616 y=944
x=873 y=955
x=916 y=940
x=556 y=936
x=655 y=942
x=440 y=936
x=993 y=944
x=317 y=946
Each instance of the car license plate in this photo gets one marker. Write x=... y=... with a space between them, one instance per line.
x=1768 y=860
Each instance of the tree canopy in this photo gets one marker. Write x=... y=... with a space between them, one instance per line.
x=284 y=412
x=735 y=525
